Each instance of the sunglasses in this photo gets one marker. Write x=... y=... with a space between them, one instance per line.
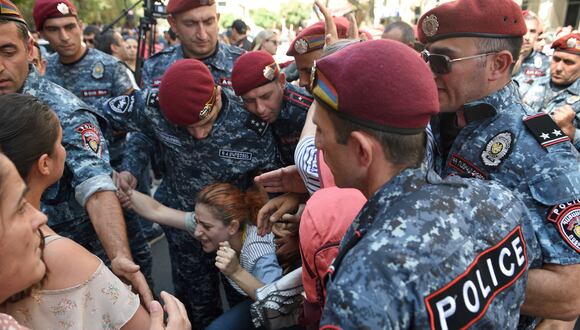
x=441 y=64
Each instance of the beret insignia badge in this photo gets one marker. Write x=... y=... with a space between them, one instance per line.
x=571 y=43
x=63 y=8
x=270 y=71
x=430 y=25
x=301 y=46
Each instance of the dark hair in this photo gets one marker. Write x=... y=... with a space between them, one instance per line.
x=37 y=46
x=229 y=203
x=103 y=41
x=407 y=33
x=512 y=45
x=172 y=34
x=28 y=129
x=239 y=26
x=22 y=29
x=90 y=29
x=398 y=148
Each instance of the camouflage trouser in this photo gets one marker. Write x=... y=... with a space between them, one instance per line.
x=83 y=232
x=195 y=278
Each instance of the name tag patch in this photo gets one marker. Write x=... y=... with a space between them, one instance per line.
x=465 y=299
x=566 y=217
x=238 y=155
x=465 y=168
x=95 y=93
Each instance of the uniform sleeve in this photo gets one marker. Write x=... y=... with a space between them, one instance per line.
x=87 y=155
x=139 y=149
x=124 y=81
x=362 y=298
x=126 y=112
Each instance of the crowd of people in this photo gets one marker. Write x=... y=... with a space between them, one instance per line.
x=426 y=179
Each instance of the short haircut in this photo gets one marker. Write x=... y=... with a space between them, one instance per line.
x=240 y=26
x=91 y=29
x=512 y=45
x=407 y=33
x=399 y=149
x=103 y=41
x=22 y=29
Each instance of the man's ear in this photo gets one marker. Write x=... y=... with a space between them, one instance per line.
x=362 y=147
x=43 y=164
x=500 y=64
x=30 y=49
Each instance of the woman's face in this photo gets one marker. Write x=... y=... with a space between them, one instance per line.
x=20 y=242
x=271 y=45
x=210 y=230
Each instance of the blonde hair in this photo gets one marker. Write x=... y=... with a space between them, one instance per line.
x=261 y=38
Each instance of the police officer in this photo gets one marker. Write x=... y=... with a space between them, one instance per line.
x=307 y=47
x=204 y=136
x=423 y=252
x=257 y=79
x=558 y=94
x=93 y=76
x=85 y=194
x=196 y=24
x=470 y=47
x=531 y=65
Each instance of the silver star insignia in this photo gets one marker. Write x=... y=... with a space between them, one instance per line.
x=557 y=132
x=545 y=136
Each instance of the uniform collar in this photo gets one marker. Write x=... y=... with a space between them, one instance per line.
x=218 y=59
x=490 y=105
x=32 y=82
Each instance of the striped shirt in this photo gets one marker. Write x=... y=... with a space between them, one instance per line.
x=307 y=163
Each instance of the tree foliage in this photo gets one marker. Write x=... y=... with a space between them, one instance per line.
x=265 y=18
x=295 y=13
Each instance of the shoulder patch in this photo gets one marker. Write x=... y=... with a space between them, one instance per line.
x=465 y=299
x=98 y=70
x=91 y=138
x=566 y=217
x=497 y=149
x=152 y=99
x=257 y=125
x=545 y=130
x=298 y=99
x=122 y=104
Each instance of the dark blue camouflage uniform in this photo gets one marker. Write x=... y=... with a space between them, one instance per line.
x=233 y=152
x=535 y=66
x=87 y=168
x=427 y=253
x=545 y=97
x=288 y=126
x=497 y=145
x=95 y=78
x=220 y=64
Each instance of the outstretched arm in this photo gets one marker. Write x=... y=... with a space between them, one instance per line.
x=150 y=209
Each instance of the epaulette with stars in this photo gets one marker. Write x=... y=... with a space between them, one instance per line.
x=545 y=130
x=298 y=99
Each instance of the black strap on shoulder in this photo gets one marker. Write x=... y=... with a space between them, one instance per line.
x=545 y=130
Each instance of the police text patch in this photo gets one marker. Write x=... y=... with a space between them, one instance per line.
x=231 y=154
x=566 y=217
x=464 y=300
x=466 y=169
x=545 y=130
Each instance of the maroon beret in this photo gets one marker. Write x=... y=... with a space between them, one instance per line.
x=472 y=18
x=312 y=37
x=348 y=83
x=178 y=6
x=45 y=9
x=9 y=11
x=569 y=43
x=252 y=70
x=187 y=92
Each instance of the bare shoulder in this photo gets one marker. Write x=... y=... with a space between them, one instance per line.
x=68 y=264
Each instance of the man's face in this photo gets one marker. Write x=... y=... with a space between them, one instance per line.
x=266 y=101
x=118 y=47
x=89 y=40
x=304 y=65
x=467 y=78
x=532 y=35
x=14 y=58
x=64 y=36
x=337 y=156
x=38 y=61
x=131 y=49
x=197 y=30
x=564 y=68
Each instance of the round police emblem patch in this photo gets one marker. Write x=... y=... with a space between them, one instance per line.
x=122 y=104
x=98 y=70
x=497 y=149
x=430 y=25
x=568 y=224
x=301 y=46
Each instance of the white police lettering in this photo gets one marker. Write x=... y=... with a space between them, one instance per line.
x=465 y=299
x=566 y=216
x=231 y=154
